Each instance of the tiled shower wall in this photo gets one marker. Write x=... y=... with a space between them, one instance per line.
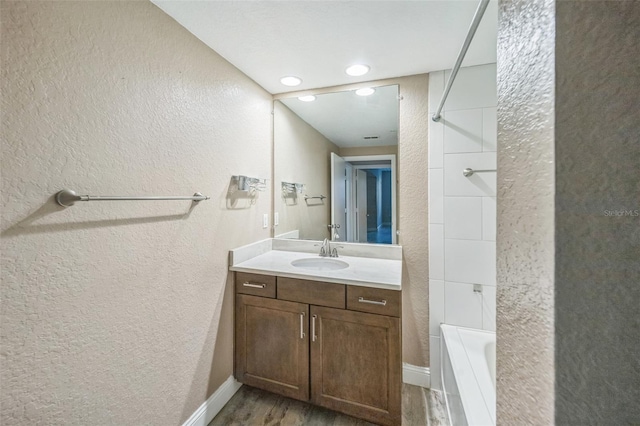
x=462 y=210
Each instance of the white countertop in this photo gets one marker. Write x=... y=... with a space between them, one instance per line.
x=362 y=271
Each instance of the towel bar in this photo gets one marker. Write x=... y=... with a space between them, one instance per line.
x=67 y=198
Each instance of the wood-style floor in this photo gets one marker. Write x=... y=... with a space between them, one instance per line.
x=255 y=407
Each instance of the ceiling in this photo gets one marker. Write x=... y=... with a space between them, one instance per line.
x=317 y=40
x=346 y=119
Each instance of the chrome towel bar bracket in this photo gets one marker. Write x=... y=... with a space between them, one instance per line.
x=67 y=198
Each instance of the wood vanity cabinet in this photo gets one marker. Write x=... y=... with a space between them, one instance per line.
x=333 y=345
x=272 y=347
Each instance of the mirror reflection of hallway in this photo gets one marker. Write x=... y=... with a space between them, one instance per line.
x=377 y=207
x=363 y=198
x=306 y=133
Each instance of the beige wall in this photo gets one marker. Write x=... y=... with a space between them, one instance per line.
x=568 y=160
x=413 y=221
x=369 y=150
x=412 y=207
x=119 y=312
x=301 y=155
x=597 y=217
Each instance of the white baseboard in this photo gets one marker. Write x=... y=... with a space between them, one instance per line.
x=212 y=406
x=414 y=375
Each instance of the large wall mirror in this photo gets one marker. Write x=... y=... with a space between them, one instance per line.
x=335 y=166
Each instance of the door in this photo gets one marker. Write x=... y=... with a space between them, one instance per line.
x=338 y=197
x=372 y=202
x=272 y=345
x=377 y=165
x=361 y=206
x=356 y=365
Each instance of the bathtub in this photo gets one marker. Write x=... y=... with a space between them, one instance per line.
x=468 y=369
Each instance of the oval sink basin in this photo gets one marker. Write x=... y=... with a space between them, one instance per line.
x=320 y=264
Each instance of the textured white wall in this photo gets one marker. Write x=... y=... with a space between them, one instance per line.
x=301 y=155
x=413 y=222
x=525 y=238
x=119 y=312
x=462 y=218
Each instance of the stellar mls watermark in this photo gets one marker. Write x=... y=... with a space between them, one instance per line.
x=622 y=213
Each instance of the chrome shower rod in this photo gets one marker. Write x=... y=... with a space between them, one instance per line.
x=67 y=198
x=465 y=46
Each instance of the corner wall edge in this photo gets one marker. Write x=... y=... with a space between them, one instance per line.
x=212 y=406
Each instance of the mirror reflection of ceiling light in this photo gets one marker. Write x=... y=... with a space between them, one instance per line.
x=290 y=81
x=308 y=98
x=357 y=70
x=365 y=92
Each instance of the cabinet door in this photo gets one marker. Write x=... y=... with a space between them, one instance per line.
x=356 y=365
x=272 y=346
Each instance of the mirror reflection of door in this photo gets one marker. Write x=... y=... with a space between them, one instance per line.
x=345 y=189
x=378 y=206
x=339 y=197
x=362 y=208
x=363 y=199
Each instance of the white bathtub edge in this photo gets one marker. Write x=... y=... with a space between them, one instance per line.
x=473 y=400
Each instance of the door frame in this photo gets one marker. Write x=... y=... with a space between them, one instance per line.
x=394 y=179
x=340 y=219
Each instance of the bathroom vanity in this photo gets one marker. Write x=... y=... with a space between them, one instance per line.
x=316 y=334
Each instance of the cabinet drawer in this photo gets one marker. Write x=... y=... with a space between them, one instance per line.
x=374 y=300
x=312 y=292
x=255 y=284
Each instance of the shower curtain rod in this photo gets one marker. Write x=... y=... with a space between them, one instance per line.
x=465 y=46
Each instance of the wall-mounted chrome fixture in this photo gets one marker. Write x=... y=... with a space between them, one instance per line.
x=67 y=198
x=290 y=192
x=319 y=197
x=292 y=188
x=469 y=172
x=246 y=183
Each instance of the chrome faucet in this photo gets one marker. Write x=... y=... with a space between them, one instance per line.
x=325 y=249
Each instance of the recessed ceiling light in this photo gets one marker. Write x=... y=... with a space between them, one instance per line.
x=290 y=81
x=357 y=70
x=309 y=98
x=365 y=92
